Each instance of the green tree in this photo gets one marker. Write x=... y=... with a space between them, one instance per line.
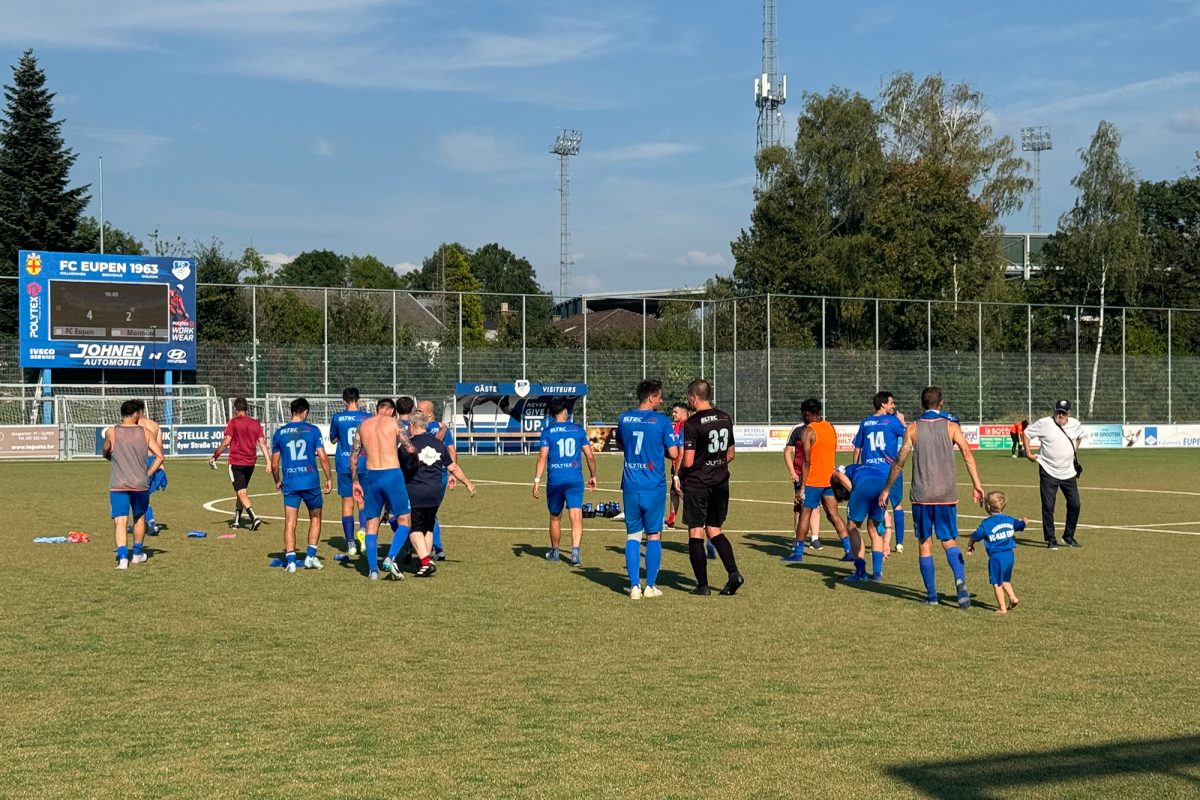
x=502 y=272
x=87 y=239
x=947 y=124
x=38 y=209
x=252 y=268
x=1098 y=255
x=316 y=268
x=368 y=272
x=459 y=279
x=222 y=308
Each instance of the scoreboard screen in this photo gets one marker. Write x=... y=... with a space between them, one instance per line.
x=105 y=311
x=89 y=310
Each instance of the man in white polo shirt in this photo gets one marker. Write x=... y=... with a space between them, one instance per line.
x=1059 y=436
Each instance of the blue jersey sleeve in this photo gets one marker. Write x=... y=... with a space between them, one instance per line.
x=858 y=437
x=1018 y=525
x=980 y=534
x=333 y=429
x=667 y=430
x=545 y=439
x=896 y=426
x=275 y=445
x=318 y=441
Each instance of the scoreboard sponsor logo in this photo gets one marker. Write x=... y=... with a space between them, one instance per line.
x=176 y=356
x=33 y=263
x=181 y=270
x=109 y=355
x=34 y=290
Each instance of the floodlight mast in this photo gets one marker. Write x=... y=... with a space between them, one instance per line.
x=770 y=89
x=1036 y=140
x=566 y=145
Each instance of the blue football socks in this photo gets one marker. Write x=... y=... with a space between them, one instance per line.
x=437 y=535
x=846 y=544
x=394 y=523
x=291 y=556
x=860 y=568
x=633 y=561
x=137 y=548
x=149 y=518
x=876 y=562
x=348 y=528
x=122 y=552
x=898 y=517
x=954 y=556
x=927 y=576
x=362 y=520
x=311 y=552
x=398 y=539
x=372 y=542
x=653 y=560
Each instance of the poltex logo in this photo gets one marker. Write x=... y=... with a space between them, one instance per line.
x=33 y=263
x=33 y=289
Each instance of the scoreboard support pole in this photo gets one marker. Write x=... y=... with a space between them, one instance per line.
x=47 y=404
x=168 y=406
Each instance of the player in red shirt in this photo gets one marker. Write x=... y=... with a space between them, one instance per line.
x=244 y=438
x=679 y=415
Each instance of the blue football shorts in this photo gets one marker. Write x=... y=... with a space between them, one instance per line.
x=935 y=520
x=385 y=487
x=564 y=494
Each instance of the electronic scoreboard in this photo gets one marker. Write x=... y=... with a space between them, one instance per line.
x=89 y=310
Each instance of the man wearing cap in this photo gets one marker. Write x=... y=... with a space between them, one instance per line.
x=1059 y=436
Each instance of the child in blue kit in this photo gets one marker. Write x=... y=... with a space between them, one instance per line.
x=998 y=534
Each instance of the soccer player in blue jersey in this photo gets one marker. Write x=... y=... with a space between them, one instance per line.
x=647 y=438
x=564 y=446
x=343 y=427
x=295 y=450
x=877 y=443
x=998 y=533
x=864 y=483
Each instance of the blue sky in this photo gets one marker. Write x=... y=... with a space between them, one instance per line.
x=387 y=126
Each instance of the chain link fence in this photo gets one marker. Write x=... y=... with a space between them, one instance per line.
x=764 y=354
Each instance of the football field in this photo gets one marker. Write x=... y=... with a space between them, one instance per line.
x=206 y=673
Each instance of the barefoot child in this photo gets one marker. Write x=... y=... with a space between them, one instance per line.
x=998 y=533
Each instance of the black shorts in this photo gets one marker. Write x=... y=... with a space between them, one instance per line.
x=423 y=519
x=706 y=506
x=239 y=476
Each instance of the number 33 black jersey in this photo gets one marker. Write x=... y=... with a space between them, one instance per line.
x=710 y=434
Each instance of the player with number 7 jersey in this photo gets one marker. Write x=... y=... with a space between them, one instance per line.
x=647 y=437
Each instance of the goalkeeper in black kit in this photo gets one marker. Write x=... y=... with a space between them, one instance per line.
x=707 y=451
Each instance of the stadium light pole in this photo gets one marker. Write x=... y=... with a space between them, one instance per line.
x=1036 y=140
x=101 y=159
x=565 y=145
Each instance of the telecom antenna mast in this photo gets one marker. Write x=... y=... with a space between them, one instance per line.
x=1036 y=140
x=565 y=146
x=770 y=89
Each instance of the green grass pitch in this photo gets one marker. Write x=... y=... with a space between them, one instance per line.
x=204 y=673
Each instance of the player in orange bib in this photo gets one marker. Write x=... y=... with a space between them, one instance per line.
x=814 y=444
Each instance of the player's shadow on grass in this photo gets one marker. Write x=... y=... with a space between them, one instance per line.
x=1046 y=771
x=778 y=546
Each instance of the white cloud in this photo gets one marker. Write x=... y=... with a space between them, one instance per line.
x=699 y=258
x=126 y=148
x=405 y=267
x=1128 y=91
x=323 y=147
x=389 y=44
x=277 y=260
x=646 y=151
x=1186 y=121
x=587 y=282
x=480 y=153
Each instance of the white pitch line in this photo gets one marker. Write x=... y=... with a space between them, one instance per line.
x=211 y=506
